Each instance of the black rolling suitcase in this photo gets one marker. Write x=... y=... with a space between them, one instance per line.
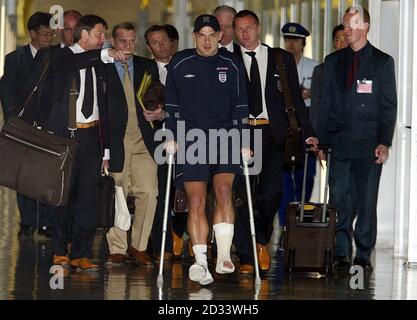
x=310 y=232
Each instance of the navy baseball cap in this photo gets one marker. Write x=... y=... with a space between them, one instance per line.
x=206 y=20
x=294 y=30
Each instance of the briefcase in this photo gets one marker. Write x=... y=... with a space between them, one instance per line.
x=180 y=201
x=293 y=150
x=105 y=202
x=36 y=163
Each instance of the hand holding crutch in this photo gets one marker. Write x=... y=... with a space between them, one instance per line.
x=170 y=148
x=247 y=157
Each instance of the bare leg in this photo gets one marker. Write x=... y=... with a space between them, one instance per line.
x=198 y=229
x=225 y=211
x=197 y=220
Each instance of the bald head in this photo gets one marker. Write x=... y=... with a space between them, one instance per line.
x=356 y=23
x=225 y=16
x=71 y=18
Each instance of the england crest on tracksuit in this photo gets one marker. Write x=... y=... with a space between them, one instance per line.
x=222 y=77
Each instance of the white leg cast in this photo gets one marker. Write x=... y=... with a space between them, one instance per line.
x=224 y=236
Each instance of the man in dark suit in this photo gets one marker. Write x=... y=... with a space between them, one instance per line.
x=51 y=55
x=83 y=63
x=173 y=36
x=162 y=42
x=339 y=43
x=267 y=113
x=317 y=82
x=15 y=87
x=357 y=119
x=160 y=45
x=133 y=146
x=19 y=63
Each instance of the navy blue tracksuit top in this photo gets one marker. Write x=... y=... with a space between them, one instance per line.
x=206 y=92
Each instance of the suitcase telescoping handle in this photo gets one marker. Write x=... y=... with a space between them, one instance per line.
x=328 y=151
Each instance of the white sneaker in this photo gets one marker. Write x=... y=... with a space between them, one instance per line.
x=221 y=269
x=208 y=278
x=199 y=273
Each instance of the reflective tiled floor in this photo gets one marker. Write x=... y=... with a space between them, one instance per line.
x=25 y=274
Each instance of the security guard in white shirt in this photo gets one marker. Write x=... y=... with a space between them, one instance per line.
x=295 y=40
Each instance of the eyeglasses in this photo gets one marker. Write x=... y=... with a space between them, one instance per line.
x=47 y=34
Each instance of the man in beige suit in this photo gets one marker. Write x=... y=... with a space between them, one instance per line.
x=133 y=145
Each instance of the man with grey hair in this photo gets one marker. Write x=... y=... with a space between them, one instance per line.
x=71 y=18
x=225 y=15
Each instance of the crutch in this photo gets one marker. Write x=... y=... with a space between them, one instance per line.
x=252 y=222
x=160 y=281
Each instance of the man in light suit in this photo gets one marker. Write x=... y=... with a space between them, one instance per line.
x=133 y=146
x=357 y=119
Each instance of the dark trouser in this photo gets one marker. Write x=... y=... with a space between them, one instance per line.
x=266 y=199
x=156 y=234
x=77 y=221
x=179 y=223
x=28 y=209
x=366 y=175
x=292 y=185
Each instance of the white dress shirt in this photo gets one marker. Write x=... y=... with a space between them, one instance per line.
x=76 y=48
x=229 y=47
x=33 y=50
x=261 y=55
x=305 y=70
x=163 y=72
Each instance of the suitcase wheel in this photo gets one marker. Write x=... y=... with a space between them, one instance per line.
x=329 y=261
x=291 y=259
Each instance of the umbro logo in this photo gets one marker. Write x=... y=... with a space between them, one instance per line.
x=189 y=76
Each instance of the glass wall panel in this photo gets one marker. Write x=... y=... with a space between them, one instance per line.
x=318 y=16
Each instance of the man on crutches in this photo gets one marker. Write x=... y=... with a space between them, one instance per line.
x=206 y=94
